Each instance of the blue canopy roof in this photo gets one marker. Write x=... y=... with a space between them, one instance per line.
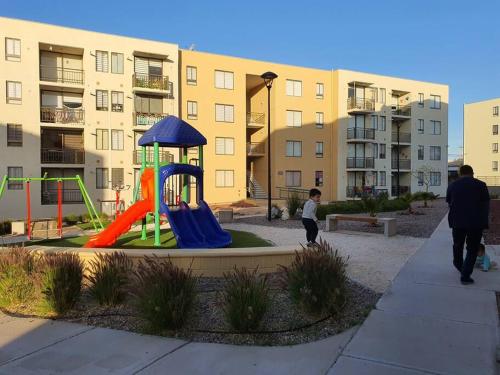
x=172 y=132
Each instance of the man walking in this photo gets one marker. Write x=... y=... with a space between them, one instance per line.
x=468 y=199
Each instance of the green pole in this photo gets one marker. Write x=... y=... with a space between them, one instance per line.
x=185 y=179
x=2 y=186
x=200 y=156
x=145 y=218
x=157 y=192
x=88 y=203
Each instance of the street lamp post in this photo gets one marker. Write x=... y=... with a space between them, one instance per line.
x=268 y=78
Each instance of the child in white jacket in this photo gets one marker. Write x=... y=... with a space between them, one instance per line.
x=309 y=218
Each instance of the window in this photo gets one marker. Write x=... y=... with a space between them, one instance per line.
x=382 y=178
x=420 y=154
x=117 y=177
x=224 y=113
x=102 y=139
x=224 y=178
x=116 y=63
x=435 y=179
x=382 y=151
x=101 y=61
x=224 y=146
x=318 y=178
x=101 y=98
x=293 y=88
x=319 y=120
x=381 y=95
x=382 y=124
x=14 y=135
x=320 y=92
x=375 y=150
x=102 y=178
x=420 y=178
x=15 y=172
x=192 y=110
x=421 y=126
x=148 y=104
x=494 y=147
x=293 y=178
x=495 y=110
x=14 y=92
x=319 y=149
x=435 y=152
x=116 y=139
x=294 y=149
x=294 y=119
x=435 y=102
x=191 y=75
x=436 y=127
x=12 y=49
x=495 y=129
x=420 y=99
x=117 y=101
x=374 y=122
x=494 y=166
x=224 y=80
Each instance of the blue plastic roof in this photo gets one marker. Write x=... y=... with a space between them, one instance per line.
x=172 y=132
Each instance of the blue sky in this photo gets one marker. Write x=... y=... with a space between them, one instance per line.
x=451 y=42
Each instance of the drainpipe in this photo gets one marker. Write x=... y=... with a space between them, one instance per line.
x=397 y=161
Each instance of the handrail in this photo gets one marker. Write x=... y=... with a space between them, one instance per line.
x=146 y=119
x=62 y=115
x=403 y=137
x=287 y=192
x=402 y=189
x=403 y=163
x=62 y=75
x=490 y=180
x=360 y=104
x=164 y=156
x=360 y=133
x=366 y=162
x=256 y=118
x=62 y=156
x=255 y=148
x=401 y=110
x=151 y=81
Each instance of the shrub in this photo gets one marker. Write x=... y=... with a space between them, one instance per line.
x=370 y=205
x=5 y=228
x=164 y=293
x=84 y=218
x=397 y=204
x=293 y=202
x=61 y=279
x=347 y=207
x=17 y=276
x=71 y=219
x=408 y=198
x=109 y=277
x=103 y=216
x=316 y=279
x=246 y=299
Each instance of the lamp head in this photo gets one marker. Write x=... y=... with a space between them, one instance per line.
x=268 y=78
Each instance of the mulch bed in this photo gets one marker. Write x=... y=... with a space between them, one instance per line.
x=492 y=235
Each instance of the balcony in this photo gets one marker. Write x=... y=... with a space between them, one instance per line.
x=165 y=156
x=61 y=75
x=403 y=137
x=152 y=82
x=148 y=119
x=62 y=156
x=256 y=119
x=360 y=163
x=360 y=105
x=256 y=149
x=360 y=134
x=404 y=164
x=69 y=196
x=401 y=111
x=402 y=190
x=62 y=115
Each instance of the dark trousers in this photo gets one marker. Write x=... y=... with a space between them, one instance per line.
x=311 y=229
x=472 y=237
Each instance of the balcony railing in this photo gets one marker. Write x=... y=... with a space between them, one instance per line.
x=62 y=156
x=68 y=196
x=366 y=163
x=165 y=156
x=152 y=81
x=62 y=115
x=360 y=133
x=402 y=190
x=403 y=164
x=363 y=191
x=403 y=137
x=360 y=104
x=288 y=192
x=490 y=180
x=61 y=75
x=254 y=118
x=404 y=110
x=255 y=148
x=147 y=119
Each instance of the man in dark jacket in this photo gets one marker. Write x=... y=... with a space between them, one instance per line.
x=469 y=201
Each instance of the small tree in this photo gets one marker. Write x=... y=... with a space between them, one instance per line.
x=423 y=174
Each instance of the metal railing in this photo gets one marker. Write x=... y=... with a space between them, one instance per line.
x=256 y=148
x=490 y=180
x=165 y=156
x=68 y=196
x=256 y=118
x=403 y=164
x=288 y=192
x=61 y=75
x=403 y=110
x=62 y=156
x=147 y=119
x=363 y=191
x=360 y=163
x=360 y=133
x=403 y=137
x=402 y=190
x=361 y=104
x=62 y=115
x=152 y=81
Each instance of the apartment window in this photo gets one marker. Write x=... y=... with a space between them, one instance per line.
x=14 y=135
x=382 y=151
x=420 y=153
x=12 y=49
x=381 y=95
x=116 y=139
x=293 y=178
x=116 y=63
x=374 y=122
x=224 y=146
x=224 y=80
x=319 y=149
x=420 y=178
x=494 y=166
x=294 y=149
x=15 y=172
x=495 y=110
x=224 y=178
x=436 y=127
x=191 y=75
x=382 y=124
x=435 y=152
x=117 y=101
x=192 y=110
x=435 y=179
x=421 y=126
x=14 y=92
x=293 y=88
x=102 y=139
x=101 y=61
x=224 y=113
x=435 y=101
x=101 y=100
x=375 y=150
x=494 y=147
x=382 y=178
x=294 y=119
x=320 y=90
x=421 y=99
x=495 y=129
x=117 y=179
x=102 y=178
x=318 y=178
x=319 y=120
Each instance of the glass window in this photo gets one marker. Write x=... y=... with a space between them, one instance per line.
x=435 y=102
x=421 y=126
x=382 y=151
x=294 y=148
x=192 y=110
x=374 y=122
x=495 y=110
x=421 y=99
x=382 y=178
x=224 y=178
x=101 y=97
x=420 y=155
x=294 y=119
x=420 y=178
x=116 y=63
x=494 y=147
x=12 y=49
x=320 y=90
x=319 y=120
x=318 y=178
x=224 y=80
x=436 y=127
x=117 y=101
x=14 y=92
x=381 y=95
x=224 y=113
x=435 y=152
x=224 y=146
x=102 y=139
x=494 y=166
x=435 y=179
x=293 y=88
x=117 y=179
x=293 y=178
x=14 y=135
x=15 y=172
x=101 y=61
x=116 y=139
x=382 y=125
x=319 y=149
x=102 y=178
x=191 y=75
x=495 y=129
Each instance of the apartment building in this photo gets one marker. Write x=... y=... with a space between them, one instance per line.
x=481 y=139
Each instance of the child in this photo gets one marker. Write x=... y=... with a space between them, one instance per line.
x=483 y=260
x=309 y=218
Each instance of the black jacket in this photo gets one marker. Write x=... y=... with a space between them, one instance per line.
x=469 y=202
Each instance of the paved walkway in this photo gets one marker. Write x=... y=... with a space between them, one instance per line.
x=426 y=323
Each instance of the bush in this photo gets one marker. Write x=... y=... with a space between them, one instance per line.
x=246 y=299
x=109 y=277
x=103 y=216
x=164 y=293
x=370 y=205
x=397 y=204
x=316 y=279
x=84 y=218
x=17 y=276
x=356 y=207
x=5 y=228
x=408 y=198
x=293 y=202
x=61 y=279
x=71 y=219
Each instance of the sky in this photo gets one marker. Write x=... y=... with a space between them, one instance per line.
x=450 y=42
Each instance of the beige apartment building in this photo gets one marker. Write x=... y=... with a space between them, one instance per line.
x=481 y=139
x=76 y=102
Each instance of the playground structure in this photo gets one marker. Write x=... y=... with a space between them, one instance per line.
x=192 y=227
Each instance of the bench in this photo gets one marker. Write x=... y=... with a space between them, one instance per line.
x=389 y=223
